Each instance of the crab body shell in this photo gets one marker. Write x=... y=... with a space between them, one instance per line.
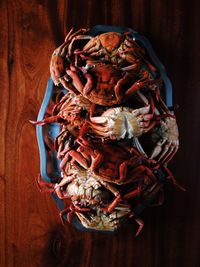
x=117 y=48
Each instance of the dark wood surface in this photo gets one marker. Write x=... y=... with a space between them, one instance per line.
x=31 y=232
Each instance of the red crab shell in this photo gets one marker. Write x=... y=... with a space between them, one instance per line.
x=117 y=48
x=106 y=84
x=105 y=77
x=110 y=161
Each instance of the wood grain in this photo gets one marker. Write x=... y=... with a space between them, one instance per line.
x=31 y=232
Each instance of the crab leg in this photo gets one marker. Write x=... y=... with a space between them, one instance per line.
x=140 y=223
x=116 y=193
x=70 y=211
x=62 y=49
x=133 y=162
x=138 y=170
x=70 y=215
x=158 y=189
x=172 y=179
x=83 y=158
x=60 y=193
x=78 y=157
x=76 y=80
x=90 y=48
x=65 y=81
x=79 y=37
x=43 y=186
x=58 y=60
x=63 y=143
x=70 y=35
x=89 y=84
x=169 y=157
x=168 y=144
x=47 y=120
x=131 y=67
x=58 y=106
x=168 y=150
x=119 y=87
x=65 y=159
x=139 y=52
x=133 y=193
x=137 y=85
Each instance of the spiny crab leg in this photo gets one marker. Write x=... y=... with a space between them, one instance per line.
x=169 y=157
x=62 y=49
x=58 y=186
x=65 y=81
x=119 y=87
x=138 y=84
x=139 y=147
x=140 y=223
x=58 y=59
x=75 y=79
x=169 y=149
x=102 y=221
x=70 y=211
x=44 y=187
x=152 y=193
x=65 y=145
x=116 y=200
x=79 y=37
x=133 y=193
x=47 y=120
x=168 y=144
x=140 y=54
x=171 y=178
x=131 y=67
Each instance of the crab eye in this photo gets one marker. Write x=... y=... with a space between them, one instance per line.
x=89 y=66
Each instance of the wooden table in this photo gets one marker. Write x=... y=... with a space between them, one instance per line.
x=31 y=232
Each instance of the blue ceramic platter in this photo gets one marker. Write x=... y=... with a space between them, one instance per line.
x=49 y=164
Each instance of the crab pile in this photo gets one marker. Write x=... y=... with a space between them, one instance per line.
x=116 y=133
